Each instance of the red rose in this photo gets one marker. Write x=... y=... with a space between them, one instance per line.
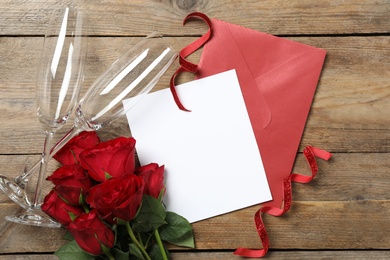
x=114 y=157
x=58 y=209
x=117 y=197
x=71 y=181
x=91 y=233
x=154 y=178
x=69 y=154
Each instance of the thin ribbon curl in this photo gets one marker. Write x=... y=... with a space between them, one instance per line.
x=186 y=65
x=309 y=152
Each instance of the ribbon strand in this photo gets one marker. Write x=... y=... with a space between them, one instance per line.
x=186 y=65
x=310 y=154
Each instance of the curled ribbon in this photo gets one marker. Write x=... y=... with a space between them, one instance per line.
x=310 y=154
x=186 y=65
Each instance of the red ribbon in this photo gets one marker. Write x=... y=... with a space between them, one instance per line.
x=310 y=153
x=186 y=65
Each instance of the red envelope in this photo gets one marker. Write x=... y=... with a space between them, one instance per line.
x=278 y=79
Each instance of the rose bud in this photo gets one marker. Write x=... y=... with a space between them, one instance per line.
x=154 y=178
x=91 y=233
x=71 y=182
x=69 y=154
x=113 y=158
x=117 y=197
x=58 y=209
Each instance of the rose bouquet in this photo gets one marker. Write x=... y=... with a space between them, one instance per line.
x=111 y=207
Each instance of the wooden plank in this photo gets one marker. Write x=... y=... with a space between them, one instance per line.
x=22 y=238
x=289 y=255
x=308 y=225
x=29 y=257
x=355 y=85
x=356 y=255
x=349 y=108
x=354 y=75
x=346 y=177
x=110 y=17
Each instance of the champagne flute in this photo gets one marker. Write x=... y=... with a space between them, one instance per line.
x=59 y=81
x=131 y=76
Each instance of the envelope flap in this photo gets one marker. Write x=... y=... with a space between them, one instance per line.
x=295 y=79
x=264 y=52
x=220 y=54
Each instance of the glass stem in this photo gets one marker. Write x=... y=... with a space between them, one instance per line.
x=65 y=139
x=23 y=179
x=48 y=152
x=43 y=169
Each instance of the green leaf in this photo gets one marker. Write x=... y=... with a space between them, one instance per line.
x=72 y=216
x=68 y=236
x=150 y=216
x=155 y=253
x=135 y=251
x=81 y=199
x=151 y=205
x=71 y=251
x=107 y=176
x=119 y=254
x=178 y=231
x=147 y=222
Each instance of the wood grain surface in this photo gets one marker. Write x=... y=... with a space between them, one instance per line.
x=344 y=213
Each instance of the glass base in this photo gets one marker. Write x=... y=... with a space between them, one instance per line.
x=14 y=192
x=34 y=217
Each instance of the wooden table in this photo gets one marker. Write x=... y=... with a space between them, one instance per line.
x=343 y=213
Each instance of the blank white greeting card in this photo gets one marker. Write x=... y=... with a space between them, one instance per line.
x=212 y=162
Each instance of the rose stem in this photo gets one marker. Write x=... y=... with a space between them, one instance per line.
x=160 y=244
x=136 y=242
